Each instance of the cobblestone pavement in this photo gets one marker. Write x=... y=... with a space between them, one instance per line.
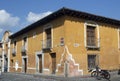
x=28 y=77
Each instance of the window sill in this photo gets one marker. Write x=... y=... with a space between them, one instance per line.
x=92 y=47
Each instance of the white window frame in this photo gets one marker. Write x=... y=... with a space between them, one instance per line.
x=23 y=63
x=94 y=24
x=118 y=38
x=36 y=55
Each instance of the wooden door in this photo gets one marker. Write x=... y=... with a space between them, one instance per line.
x=53 y=55
x=25 y=65
x=40 y=63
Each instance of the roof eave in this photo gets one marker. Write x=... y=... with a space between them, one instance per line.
x=68 y=12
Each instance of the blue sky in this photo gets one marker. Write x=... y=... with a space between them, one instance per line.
x=17 y=14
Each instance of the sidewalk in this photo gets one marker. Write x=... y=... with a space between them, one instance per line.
x=40 y=77
x=77 y=78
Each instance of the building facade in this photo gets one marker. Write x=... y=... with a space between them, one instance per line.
x=0 y=56
x=66 y=42
x=5 y=52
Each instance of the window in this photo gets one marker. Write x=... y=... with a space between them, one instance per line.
x=12 y=62
x=47 y=41
x=14 y=44
x=34 y=34
x=14 y=50
x=48 y=37
x=24 y=45
x=92 y=36
x=25 y=42
x=91 y=61
x=0 y=45
x=6 y=51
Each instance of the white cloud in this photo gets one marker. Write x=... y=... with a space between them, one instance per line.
x=32 y=17
x=7 y=20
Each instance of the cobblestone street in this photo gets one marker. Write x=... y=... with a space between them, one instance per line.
x=27 y=77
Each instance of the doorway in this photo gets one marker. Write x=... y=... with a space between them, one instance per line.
x=40 y=63
x=24 y=65
x=5 y=64
x=53 y=56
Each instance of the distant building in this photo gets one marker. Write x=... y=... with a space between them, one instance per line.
x=0 y=55
x=5 y=52
x=66 y=42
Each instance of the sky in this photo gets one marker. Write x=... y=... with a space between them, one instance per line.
x=17 y=14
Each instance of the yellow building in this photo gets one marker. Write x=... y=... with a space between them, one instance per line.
x=66 y=42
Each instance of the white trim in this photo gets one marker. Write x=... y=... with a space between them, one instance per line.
x=23 y=62
x=118 y=38
x=85 y=35
x=8 y=55
x=24 y=57
x=46 y=69
x=31 y=68
x=52 y=36
x=37 y=60
x=98 y=35
x=18 y=67
x=94 y=24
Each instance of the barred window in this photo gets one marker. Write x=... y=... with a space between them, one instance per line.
x=48 y=37
x=91 y=61
x=91 y=37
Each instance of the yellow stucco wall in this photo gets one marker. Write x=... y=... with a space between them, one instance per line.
x=35 y=44
x=72 y=30
x=108 y=51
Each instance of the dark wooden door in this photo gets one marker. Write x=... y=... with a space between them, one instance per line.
x=53 y=55
x=40 y=63
x=25 y=65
